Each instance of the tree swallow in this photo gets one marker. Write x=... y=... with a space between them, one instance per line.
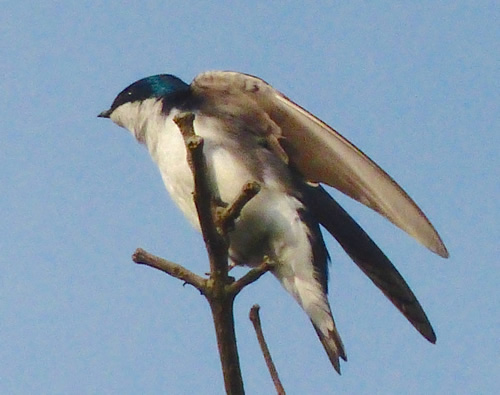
x=252 y=132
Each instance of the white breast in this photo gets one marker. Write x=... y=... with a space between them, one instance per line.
x=167 y=148
x=268 y=225
x=269 y=222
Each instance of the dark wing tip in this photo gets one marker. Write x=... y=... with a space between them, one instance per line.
x=369 y=258
x=427 y=332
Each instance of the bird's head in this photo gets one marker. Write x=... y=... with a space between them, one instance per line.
x=144 y=99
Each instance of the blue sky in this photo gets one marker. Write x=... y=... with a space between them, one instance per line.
x=415 y=86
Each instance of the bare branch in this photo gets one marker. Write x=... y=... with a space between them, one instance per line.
x=249 y=277
x=255 y=318
x=229 y=215
x=205 y=201
x=220 y=289
x=221 y=301
x=185 y=122
x=143 y=257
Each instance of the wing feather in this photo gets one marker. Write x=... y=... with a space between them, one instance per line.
x=321 y=154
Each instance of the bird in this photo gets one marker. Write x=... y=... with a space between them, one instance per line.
x=253 y=132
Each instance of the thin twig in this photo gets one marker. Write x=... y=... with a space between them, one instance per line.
x=255 y=318
x=143 y=257
x=228 y=216
x=249 y=277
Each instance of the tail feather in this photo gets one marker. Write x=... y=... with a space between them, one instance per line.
x=310 y=295
x=333 y=346
x=370 y=259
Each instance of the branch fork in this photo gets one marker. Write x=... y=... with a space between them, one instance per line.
x=216 y=220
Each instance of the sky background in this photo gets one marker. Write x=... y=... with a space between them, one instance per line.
x=415 y=85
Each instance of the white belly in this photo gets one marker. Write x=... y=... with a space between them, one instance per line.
x=169 y=152
x=269 y=223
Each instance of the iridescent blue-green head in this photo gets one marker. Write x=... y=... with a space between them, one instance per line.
x=142 y=106
x=154 y=87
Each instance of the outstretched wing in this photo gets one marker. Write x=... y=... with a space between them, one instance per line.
x=319 y=152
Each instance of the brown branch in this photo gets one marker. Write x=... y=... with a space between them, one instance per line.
x=215 y=220
x=250 y=277
x=228 y=216
x=255 y=318
x=204 y=199
x=221 y=301
x=143 y=257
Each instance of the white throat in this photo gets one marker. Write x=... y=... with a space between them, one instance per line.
x=137 y=115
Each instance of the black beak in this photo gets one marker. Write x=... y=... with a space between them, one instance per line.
x=105 y=114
